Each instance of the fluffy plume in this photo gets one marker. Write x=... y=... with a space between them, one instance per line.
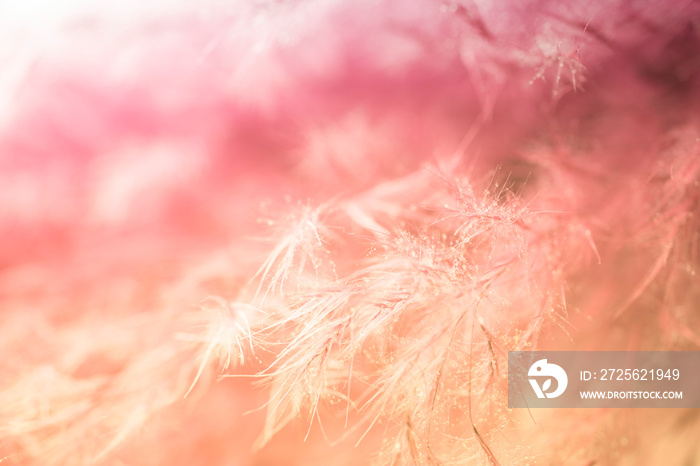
x=309 y=232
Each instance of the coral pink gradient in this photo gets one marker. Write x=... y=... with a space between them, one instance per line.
x=309 y=232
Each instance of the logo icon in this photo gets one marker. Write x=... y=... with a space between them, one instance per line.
x=542 y=368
